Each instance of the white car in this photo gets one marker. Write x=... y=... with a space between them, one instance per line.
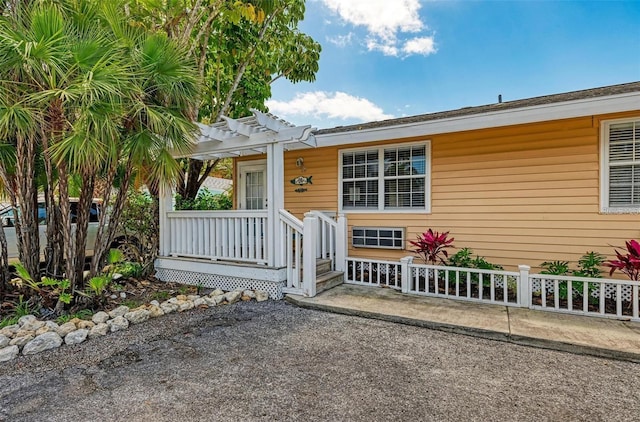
x=8 y=223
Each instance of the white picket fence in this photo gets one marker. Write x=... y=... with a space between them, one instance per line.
x=602 y=297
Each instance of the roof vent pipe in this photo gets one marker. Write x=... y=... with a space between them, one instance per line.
x=499 y=98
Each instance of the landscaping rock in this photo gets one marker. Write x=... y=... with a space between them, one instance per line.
x=123 y=295
x=216 y=292
x=199 y=302
x=100 y=317
x=137 y=316
x=26 y=319
x=118 y=323
x=185 y=306
x=261 y=295
x=210 y=301
x=9 y=353
x=45 y=329
x=66 y=328
x=219 y=299
x=21 y=341
x=34 y=325
x=173 y=300
x=100 y=329
x=76 y=337
x=181 y=297
x=13 y=328
x=41 y=343
x=155 y=311
x=51 y=324
x=119 y=311
x=193 y=297
x=4 y=341
x=6 y=331
x=85 y=325
x=233 y=297
x=154 y=303
x=249 y=293
x=24 y=333
x=168 y=308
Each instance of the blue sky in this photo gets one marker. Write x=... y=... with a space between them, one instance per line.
x=393 y=58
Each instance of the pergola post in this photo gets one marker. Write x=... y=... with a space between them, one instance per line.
x=275 y=201
x=165 y=205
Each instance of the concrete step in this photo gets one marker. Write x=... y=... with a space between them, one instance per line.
x=329 y=280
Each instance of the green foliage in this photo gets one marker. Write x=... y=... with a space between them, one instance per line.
x=161 y=295
x=59 y=288
x=25 y=278
x=205 y=200
x=464 y=259
x=589 y=265
x=129 y=269
x=85 y=314
x=20 y=308
x=555 y=267
x=99 y=283
x=139 y=222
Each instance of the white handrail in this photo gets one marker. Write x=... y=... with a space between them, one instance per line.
x=291 y=220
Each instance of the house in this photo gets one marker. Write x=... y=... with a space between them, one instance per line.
x=519 y=182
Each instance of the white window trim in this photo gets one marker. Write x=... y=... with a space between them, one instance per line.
x=604 y=170
x=427 y=183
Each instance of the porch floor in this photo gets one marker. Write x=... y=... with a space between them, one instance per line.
x=572 y=333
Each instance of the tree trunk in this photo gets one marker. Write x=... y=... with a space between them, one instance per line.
x=103 y=219
x=4 y=263
x=65 y=215
x=27 y=231
x=103 y=243
x=53 y=251
x=82 y=224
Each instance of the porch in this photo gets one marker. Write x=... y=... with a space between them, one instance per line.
x=260 y=245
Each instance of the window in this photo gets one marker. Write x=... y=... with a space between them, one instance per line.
x=378 y=237
x=620 y=176
x=385 y=178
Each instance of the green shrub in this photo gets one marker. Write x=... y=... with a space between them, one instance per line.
x=205 y=200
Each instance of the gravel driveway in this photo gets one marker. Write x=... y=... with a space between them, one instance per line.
x=273 y=361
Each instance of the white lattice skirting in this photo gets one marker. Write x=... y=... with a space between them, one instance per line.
x=211 y=280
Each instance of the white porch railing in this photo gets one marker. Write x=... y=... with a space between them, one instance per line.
x=218 y=235
x=331 y=238
x=291 y=230
x=602 y=297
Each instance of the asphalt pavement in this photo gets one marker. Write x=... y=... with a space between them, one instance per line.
x=275 y=361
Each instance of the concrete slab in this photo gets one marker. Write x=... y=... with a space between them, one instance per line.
x=585 y=332
x=391 y=305
x=572 y=333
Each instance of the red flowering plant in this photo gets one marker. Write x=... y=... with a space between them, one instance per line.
x=431 y=246
x=628 y=263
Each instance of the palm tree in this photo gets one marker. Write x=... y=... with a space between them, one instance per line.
x=95 y=93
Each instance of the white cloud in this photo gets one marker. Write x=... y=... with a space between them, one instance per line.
x=420 y=45
x=341 y=40
x=385 y=21
x=321 y=104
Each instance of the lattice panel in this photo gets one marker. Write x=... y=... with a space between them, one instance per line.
x=497 y=279
x=609 y=289
x=214 y=281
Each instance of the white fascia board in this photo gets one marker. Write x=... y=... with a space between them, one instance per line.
x=533 y=114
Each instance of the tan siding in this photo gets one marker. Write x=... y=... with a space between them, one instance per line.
x=525 y=194
x=515 y=195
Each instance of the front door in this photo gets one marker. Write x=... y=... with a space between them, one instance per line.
x=253 y=185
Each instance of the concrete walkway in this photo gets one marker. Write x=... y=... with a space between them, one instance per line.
x=572 y=333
